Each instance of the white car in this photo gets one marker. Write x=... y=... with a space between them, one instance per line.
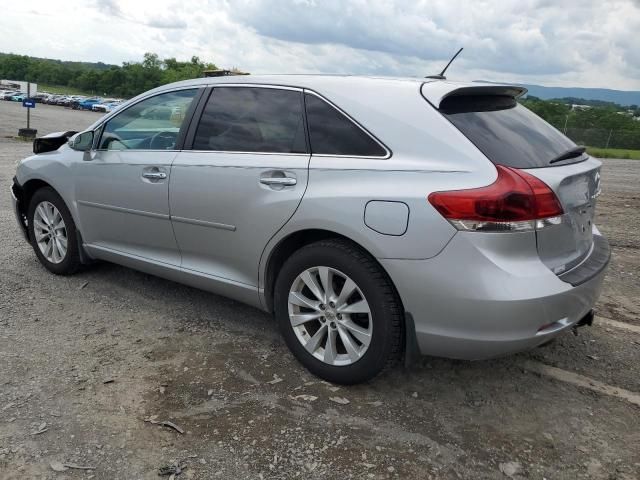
x=108 y=105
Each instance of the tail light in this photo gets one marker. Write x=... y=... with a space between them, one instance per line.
x=516 y=201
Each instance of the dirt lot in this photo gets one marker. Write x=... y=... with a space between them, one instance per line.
x=84 y=360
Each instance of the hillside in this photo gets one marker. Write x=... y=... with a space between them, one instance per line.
x=619 y=97
x=65 y=63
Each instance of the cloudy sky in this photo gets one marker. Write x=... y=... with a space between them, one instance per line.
x=590 y=43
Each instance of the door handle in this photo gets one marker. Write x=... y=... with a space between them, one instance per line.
x=283 y=181
x=155 y=175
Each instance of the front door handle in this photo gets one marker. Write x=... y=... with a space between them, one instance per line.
x=155 y=175
x=282 y=181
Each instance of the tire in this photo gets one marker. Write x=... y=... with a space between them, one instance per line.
x=376 y=339
x=59 y=264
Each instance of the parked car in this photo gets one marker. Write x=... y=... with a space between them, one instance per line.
x=51 y=99
x=106 y=106
x=18 y=97
x=8 y=95
x=87 y=103
x=75 y=101
x=375 y=218
x=65 y=101
x=40 y=97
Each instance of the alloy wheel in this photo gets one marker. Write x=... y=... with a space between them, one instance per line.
x=50 y=232
x=330 y=316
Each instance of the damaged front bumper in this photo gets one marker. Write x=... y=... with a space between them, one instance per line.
x=19 y=208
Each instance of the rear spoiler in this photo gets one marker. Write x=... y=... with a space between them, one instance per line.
x=436 y=92
x=52 y=141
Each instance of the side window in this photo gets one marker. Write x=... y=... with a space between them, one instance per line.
x=249 y=119
x=331 y=133
x=152 y=124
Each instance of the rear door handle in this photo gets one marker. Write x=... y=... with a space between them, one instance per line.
x=283 y=181
x=155 y=175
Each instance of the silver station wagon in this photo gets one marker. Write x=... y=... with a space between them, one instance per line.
x=376 y=218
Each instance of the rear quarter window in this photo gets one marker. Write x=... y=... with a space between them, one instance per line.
x=332 y=133
x=505 y=131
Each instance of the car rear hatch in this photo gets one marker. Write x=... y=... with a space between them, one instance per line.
x=512 y=136
x=577 y=186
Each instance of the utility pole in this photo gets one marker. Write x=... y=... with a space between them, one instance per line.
x=609 y=138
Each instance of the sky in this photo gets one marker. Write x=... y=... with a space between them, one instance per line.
x=574 y=43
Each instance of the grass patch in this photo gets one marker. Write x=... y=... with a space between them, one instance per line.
x=614 y=153
x=61 y=90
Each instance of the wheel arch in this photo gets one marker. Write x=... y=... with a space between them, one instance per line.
x=293 y=242
x=24 y=194
x=28 y=190
x=31 y=187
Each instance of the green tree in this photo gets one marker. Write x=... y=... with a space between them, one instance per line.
x=129 y=79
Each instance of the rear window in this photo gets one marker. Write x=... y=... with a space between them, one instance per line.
x=252 y=119
x=506 y=132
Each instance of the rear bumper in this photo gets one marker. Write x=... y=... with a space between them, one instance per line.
x=484 y=296
x=18 y=207
x=591 y=267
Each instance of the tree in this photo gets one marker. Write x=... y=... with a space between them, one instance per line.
x=129 y=79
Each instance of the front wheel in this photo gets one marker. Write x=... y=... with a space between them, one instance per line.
x=52 y=232
x=338 y=312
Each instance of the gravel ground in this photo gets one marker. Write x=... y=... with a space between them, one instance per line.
x=86 y=360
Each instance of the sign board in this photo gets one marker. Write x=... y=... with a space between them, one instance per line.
x=29 y=103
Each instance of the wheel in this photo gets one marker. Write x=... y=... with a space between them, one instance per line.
x=52 y=232
x=339 y=312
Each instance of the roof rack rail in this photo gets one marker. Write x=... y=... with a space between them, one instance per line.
x=223 y=73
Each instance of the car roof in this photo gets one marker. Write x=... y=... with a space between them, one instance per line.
x=351 y=93
x=434 y=90
x=387 y=107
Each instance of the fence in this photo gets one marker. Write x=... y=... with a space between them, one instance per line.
x=603 y=137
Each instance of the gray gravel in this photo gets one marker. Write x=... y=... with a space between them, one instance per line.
x=85 y=360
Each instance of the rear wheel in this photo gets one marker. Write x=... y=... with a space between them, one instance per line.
x=339 y=312
x=52 y=232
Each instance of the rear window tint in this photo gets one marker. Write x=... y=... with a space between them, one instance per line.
x=331 y=133
x=251 y=119
x=505 y=131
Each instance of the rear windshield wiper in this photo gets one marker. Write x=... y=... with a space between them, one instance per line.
x=571 y=153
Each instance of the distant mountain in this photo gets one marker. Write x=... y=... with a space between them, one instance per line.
x=620 y=97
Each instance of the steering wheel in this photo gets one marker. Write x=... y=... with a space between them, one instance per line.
x=163 y=140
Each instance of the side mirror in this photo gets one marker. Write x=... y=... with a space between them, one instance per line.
x=82 y=142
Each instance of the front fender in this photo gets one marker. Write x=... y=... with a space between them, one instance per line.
x=54 y=168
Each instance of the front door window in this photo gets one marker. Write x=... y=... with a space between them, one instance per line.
x=152 y=124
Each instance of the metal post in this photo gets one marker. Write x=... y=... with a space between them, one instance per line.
x=27 y=132
x=28 y=109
